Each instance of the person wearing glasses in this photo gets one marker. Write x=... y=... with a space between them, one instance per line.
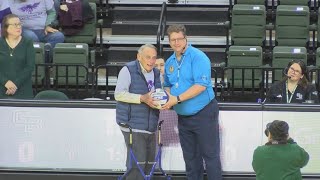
x=37 y=17
x=294 y=87
x=188 y=81
x=4 y=10
x=17 y=60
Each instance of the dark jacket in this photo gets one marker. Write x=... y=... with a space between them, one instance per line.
x=277 y=93
x=74 y=19
x=139 y=116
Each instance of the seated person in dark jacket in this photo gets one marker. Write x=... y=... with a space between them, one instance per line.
x=280 y=158
x=73 y=15
x=294 y=87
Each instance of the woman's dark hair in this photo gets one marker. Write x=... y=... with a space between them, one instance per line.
x=279 y=130
x=304 y=71
x=5 y=25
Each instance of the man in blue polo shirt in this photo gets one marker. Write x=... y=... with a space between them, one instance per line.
x=188 y=80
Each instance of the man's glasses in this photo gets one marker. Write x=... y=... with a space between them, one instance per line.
x=177 y=40
x=16 y=25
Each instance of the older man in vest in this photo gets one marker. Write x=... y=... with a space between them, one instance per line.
x=135 y=107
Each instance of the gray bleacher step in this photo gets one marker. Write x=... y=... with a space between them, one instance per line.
x=207 y=2
x=180 y=2
x=121 y=54
x=152 y=39
x=177 y=13
x=150 y=28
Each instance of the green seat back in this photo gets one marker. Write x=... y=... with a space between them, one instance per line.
x=71 y=54
x=39 y=49
x=245 y=56
x=248 y=25
x=89 y=33
x=318 y=29
x=283 y=55
x=294 y=2
x=292 y=25
x=317 y=63
x=318 y=58
x=51 y=95
x=252 y=2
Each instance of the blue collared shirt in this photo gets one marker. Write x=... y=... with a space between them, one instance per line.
x=193 y=68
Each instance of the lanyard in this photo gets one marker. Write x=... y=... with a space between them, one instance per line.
x=179 y=65
x=289 y=100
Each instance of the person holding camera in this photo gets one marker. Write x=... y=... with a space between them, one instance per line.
x=294 y=88
x=281 y=158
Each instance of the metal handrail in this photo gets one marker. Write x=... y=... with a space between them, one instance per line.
x=54 y=81
x=108 y=68
x=161 y=28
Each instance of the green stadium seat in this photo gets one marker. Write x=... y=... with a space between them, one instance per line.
x=318 y=58
x=245 y=56
x=318 y=30
x=314 y=77
x=248 y=26
x=252 y=2
x=40 y=55
x=292 y=25
x=294 y=2
x=283 y=55
x=51 y=95
x=76 y=54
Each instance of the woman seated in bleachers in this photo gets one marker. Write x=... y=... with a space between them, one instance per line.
x=294 y=87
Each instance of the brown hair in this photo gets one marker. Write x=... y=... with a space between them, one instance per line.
x=304 y=71
x=5 y=25
x=176 y=28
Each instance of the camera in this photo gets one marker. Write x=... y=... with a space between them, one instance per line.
x=278 y=129
x=266 y=131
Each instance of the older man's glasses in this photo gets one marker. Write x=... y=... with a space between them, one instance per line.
x=16 y=25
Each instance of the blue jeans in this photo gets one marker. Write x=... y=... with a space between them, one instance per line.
x=39 y=36
x=199 y=138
